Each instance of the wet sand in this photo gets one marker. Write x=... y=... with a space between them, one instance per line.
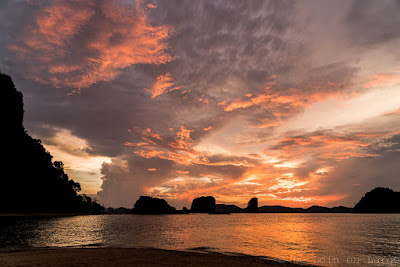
x=127 y=257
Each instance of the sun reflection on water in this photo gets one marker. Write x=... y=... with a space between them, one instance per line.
x=293 y=237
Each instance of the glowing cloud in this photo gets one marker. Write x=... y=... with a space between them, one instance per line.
x=78 y=163
x=162 y=85
x=276 y=99
x=383 y=79
x=63 y=32
x=229 y=100
x=324 y=146
x=180 y=150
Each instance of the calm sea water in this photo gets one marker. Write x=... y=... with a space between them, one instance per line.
x=321 y=239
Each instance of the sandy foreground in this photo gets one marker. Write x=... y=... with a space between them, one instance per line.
x=127 y=257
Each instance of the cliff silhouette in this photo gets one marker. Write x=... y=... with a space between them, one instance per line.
x=252 y=207
x=30 y=181
x=150 y=205
x=203 y=205
x=379 y=200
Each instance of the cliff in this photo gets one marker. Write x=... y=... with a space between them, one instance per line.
x=203 y=205
x=252 y=207
x=150 y=205
x=379 y=200
x=30 y=181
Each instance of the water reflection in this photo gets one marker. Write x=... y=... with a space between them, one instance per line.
x=313 y=238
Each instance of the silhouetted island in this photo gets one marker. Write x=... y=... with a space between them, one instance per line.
x=224 y=208
x=282 y=209
x=150 y=205
x=203 y=205
x=120 y=210
x=252 y=207
x=279 y=209
x=30 y=181
x=379 y=200
x=183 y=211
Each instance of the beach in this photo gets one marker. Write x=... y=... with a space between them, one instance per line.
x=127 y=257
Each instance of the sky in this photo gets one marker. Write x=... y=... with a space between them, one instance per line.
x=296 y=103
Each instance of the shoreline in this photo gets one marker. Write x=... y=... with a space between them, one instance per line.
x=46 y=214
x=151 y=214
x=130 y=257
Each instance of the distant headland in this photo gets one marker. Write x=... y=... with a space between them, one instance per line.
x=379 y=200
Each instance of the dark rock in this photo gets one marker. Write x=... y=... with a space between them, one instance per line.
x=312 y=209
x=203 y=205
x=150 y=205
x=279 y=209
x=223 y=208
x=120 y=210
x=318 y=209
x=183 y=211
x=342 y=209
x=252 y=207
x=379 y=200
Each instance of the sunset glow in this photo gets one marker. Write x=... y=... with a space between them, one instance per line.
x=296 y=103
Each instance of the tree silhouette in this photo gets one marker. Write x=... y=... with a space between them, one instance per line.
x=29 y=181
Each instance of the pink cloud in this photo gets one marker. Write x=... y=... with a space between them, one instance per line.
x=162 y=85
x=79 y=43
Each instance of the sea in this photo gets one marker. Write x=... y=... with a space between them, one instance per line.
x=317 y=239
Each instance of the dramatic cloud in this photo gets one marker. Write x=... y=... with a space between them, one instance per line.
x=79 y=43
x=295 y=102
x=78 y=163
